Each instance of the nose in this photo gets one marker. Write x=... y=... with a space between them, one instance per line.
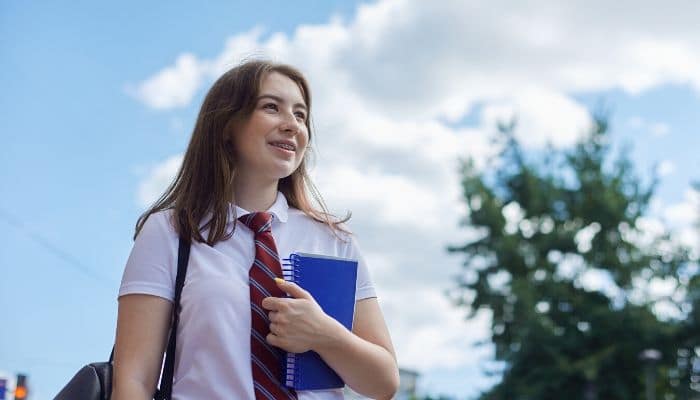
x=290 y=124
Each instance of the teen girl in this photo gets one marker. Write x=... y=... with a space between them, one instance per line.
x=245 y=165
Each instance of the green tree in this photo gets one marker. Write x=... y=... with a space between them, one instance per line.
x=550 y=229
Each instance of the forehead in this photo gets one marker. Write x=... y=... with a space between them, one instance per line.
x=282 y=86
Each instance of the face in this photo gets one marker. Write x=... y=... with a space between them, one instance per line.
x=271 y=143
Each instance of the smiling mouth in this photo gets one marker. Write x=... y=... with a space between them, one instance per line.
x=284 y=146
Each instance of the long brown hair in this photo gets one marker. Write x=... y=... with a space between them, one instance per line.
x=204 y=182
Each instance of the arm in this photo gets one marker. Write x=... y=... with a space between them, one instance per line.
x=364 y=358
x=142 y=328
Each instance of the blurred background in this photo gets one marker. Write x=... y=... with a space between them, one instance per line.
x=522 y=177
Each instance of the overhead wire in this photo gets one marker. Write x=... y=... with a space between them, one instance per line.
x=45 y=243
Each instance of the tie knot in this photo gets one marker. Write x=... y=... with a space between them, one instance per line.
x=258 y=222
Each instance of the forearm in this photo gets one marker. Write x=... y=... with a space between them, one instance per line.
x=130 y=389
x=367 y=368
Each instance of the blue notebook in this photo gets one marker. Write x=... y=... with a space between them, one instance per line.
x=331 y=281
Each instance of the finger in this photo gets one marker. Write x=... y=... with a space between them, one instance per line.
x=276 y=329
x=271 y=303
x=273 y=339
x=293 y=289
x=273 y=316
x=277 y=317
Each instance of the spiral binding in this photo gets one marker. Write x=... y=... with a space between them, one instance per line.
x=291 y=378
x=289 y=268
x=291 y=274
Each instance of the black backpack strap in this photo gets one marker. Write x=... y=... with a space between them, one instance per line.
x=166 y=381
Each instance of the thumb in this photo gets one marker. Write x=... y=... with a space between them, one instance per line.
x=293 y=289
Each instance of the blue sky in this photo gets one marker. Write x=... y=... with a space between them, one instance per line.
x=81 y=144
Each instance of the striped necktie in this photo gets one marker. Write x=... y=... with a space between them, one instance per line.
x=266 y=360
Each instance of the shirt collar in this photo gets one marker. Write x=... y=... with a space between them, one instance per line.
x=279 y=209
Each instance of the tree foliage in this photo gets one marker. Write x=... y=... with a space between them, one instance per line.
x=563 y=262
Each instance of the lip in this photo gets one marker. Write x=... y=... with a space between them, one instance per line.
x=283 y=141
x=284 y=152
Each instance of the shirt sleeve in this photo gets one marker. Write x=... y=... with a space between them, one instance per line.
x=150 y=268
x=365 y=287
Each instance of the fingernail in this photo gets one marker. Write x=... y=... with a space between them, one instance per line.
x=279 y=280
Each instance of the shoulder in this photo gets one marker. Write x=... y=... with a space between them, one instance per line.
x=159 y=224
x=310 y=226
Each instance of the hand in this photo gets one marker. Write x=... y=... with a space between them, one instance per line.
x=298 y=324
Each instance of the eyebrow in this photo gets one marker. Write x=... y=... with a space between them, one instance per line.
x=279 y=100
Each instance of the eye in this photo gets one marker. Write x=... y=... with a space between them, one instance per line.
x=270 y=106
x=301 y=115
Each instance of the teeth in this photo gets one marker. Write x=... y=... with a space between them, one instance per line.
x=284 y=146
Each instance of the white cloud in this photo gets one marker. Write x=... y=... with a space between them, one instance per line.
x=412 y=54
x=435 y=336
x=390 y=87
x=174 y=86
x=542 y=116
x=157 y=180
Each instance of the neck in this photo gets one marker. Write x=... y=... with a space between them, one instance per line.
x=254 y=194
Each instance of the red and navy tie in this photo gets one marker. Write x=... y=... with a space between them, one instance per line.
x=266 y=360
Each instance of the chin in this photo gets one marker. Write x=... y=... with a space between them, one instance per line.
x=285 y=171
x=282 y=174
x=277 y=170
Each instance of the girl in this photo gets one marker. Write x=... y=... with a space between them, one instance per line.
x=242 y=191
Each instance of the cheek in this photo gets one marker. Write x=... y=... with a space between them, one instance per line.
x=303 y=147
x=246 y=143
x=306 y=140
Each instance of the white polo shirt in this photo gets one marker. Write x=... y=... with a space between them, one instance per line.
x=213 y=340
